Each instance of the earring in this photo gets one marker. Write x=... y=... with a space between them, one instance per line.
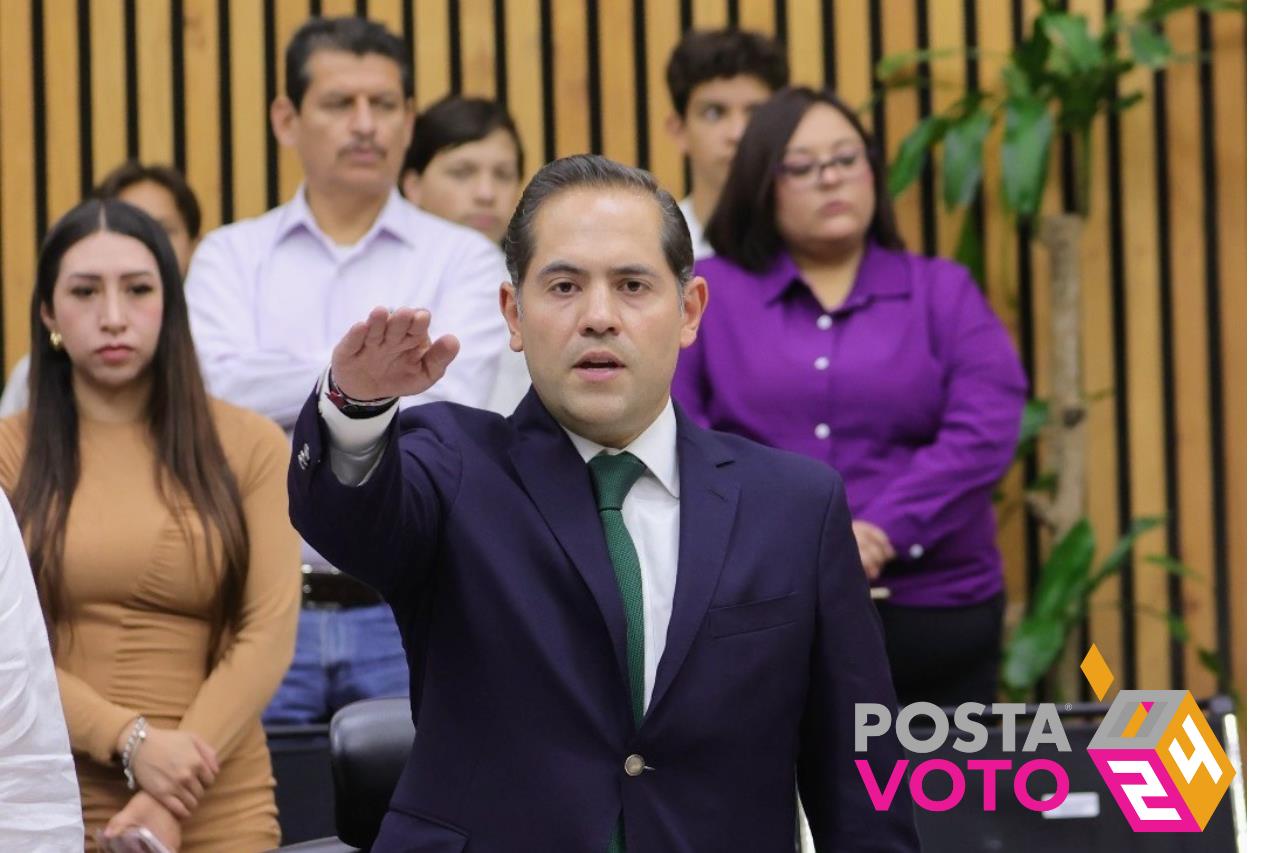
x=55 y=340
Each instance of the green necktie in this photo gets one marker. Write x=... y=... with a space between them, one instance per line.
x=613 y=476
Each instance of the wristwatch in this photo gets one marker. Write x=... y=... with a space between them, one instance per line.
x=353 y=408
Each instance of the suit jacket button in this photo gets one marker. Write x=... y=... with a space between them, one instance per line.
x=304 y=457
x=634 y=765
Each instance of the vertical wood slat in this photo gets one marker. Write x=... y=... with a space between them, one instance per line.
x=18 y=180
x=390 y=13
x=617 y=80
x=994 y=39
x=853 y=64
x=710 y=14
x=1097 y=361
x=758 y=15
x=569 y=41
x=478 y=50
x=901 y=115
x=662 y=32
x=203 y=134
x=62 y=120
x=248 y=111
x=155 y=84
x=1186 y=211
x=1145 y=389
x=804 y=42
x=431 y=48
x=107 y=49
x=946 y=74
x=290 y=15
x=1228 y=34
x=524 y=78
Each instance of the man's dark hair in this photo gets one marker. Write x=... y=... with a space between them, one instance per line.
x=591 y=171
x=704 y=55
x=349 y=35
x=744 y=226
x=453 y=121
x=132 y=172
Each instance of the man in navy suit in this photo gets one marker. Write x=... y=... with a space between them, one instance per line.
x=624 y=632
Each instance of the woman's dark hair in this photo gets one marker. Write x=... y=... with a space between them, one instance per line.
x=132 y=172
x=191 y=468
x=453 y=121
x=744 y=226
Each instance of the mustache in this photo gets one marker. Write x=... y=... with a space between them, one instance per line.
x=356 y=146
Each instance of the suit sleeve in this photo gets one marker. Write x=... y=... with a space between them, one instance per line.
x=385 y=530
x=848 y=665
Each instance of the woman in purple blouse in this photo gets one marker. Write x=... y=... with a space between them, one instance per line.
x=825 y=337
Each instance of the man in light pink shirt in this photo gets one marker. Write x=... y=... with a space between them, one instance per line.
x=269 y=296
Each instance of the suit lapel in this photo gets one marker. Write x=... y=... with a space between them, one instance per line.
x=557 y=481
x=708 y=504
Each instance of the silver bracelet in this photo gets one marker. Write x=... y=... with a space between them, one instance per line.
x=136 y=736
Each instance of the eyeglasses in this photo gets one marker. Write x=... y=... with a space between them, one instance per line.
x=846 y=165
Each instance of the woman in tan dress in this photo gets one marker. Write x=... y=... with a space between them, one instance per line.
x=156 y=520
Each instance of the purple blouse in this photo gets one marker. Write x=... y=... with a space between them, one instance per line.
x=910 y=389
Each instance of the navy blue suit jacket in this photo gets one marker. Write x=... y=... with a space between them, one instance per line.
x=482 y=533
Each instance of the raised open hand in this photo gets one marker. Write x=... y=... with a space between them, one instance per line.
x=391 y=355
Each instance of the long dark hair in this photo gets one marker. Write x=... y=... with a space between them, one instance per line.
x=189 y=459
x=744 y=226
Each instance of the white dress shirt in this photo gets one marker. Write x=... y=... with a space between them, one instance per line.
x=269 y=298
x=651 y=510
x=701 y=248
x=16 y=394
x=39 y=796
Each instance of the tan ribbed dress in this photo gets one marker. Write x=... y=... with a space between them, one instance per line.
x=140 y=594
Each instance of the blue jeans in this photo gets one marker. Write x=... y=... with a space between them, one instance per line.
x=341 y=656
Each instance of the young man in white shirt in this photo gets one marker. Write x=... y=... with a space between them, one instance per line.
x=269 y=295
x=39 y=797
x=716 y=79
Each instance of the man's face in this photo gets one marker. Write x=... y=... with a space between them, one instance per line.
x=599 y=317
x=712 y=125
x=353 y=126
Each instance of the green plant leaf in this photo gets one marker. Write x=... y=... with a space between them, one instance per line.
x=1074 y=50
x=1112 y=562
x=1035 y=414
x=1034 y=646
x=911 y=154
x=1024 y=156
x=969 y=247
x=1047 y=481
x=1125 y=102
x=1150 y=47
x=962 y=158
x=1173 y=566
x=1064 y=577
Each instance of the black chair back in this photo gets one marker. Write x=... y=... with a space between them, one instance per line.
x=370 y=742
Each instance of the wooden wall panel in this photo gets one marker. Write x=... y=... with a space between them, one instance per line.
x=1163 y=254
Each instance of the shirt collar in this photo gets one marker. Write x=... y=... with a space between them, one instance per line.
x=882 y=272
x=655 y=447
x=393 y=219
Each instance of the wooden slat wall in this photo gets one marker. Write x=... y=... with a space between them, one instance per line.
x=1164 y=295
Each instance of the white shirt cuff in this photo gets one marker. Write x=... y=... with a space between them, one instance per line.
x=355 y=444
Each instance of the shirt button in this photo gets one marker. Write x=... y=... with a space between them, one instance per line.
x=822 y=431
x=822 y=362
x=824 y=322
x=915 y=551
x=634 y=765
